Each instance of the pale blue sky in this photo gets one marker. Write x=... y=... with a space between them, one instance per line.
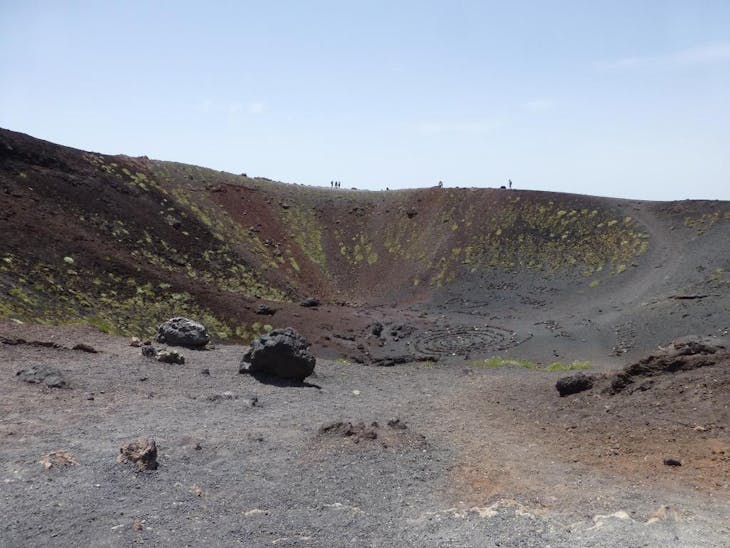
x=615 y=98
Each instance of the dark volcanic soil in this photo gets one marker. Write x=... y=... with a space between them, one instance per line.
x=445 y=454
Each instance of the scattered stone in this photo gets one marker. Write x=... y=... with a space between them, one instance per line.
x=205 y=372
x=356 y=432
x=398 y=359
x=310 y=302
x=142 y=452
x=281 y=353
x=401 y=331
x=85 y=348
x=225 y=396
x=149 y=351
x=376 y=329
x=42 y=374
x=574 y=384
x=264 y=310
x=183 y=332
x=135 y=341
x=397 y=424
x=672 y=462
x=58 y=458
x=170 y=356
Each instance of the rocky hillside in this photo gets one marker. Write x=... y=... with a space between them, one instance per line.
x=121 y=243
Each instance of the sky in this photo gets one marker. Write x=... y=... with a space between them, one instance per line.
x=629 y=99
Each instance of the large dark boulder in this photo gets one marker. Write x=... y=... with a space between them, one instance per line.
x=574 y=384
x=183 y=332
x=282 y=353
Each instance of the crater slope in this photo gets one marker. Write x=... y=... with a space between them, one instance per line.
x=121 y=243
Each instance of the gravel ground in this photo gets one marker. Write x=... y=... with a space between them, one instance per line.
x=482 y=460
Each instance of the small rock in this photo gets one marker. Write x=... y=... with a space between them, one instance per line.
x=672 y=462
x=135 y=341
x=42 y=374
x=142 y=452
x=205 y=372
x=215 y=398
x=85 y=348
x=170 y=356
x=310 y=302
x=149 y=351
x=264 y=310
x=58 y=458
x=574 y=384
x=397 y=424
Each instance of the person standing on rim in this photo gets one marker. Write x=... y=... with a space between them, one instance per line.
x=510 y=183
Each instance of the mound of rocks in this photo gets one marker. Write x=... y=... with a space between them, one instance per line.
x=142 y=452
x=394 y=434
x=42 y=374
x=682 y=354
x=281 y=353
x=163 y=356
x=183 y=332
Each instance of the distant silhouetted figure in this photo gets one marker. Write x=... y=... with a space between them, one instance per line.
x=510 y=183
x=441 y=184
x=332 y=184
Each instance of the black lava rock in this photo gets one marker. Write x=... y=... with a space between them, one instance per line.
x=574 y=384
x=282 y=353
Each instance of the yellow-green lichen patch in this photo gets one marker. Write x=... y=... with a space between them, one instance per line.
x=307 y=233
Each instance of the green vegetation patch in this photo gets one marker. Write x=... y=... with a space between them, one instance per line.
x=307 y=233
x=112 y=303
x=527 y=364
